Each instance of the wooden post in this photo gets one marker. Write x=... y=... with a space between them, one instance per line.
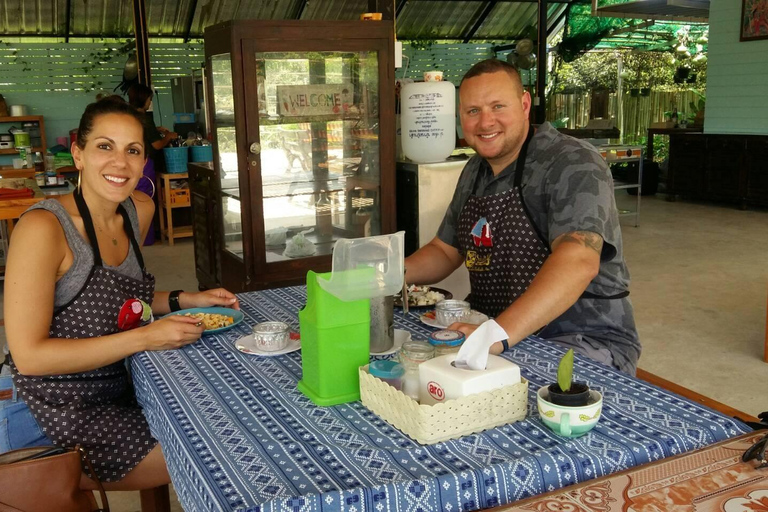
x=142 y=42
x=539 y=101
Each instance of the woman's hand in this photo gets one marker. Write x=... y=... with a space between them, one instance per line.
x=171 y=332
x=208 y=298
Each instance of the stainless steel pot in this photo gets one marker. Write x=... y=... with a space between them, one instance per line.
x=382 y=323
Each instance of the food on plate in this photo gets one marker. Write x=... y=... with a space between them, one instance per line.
x=212 y=320
x=423 y=296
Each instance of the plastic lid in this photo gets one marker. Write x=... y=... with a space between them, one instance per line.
x=446 y=338
x=386 y=369
x=364 y=268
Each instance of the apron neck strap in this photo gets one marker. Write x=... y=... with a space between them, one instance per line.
x=85 y=213
x=521 y=157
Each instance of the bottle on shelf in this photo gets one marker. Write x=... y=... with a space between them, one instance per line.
x=324 y=216
x=39 y=169
x=23 y=153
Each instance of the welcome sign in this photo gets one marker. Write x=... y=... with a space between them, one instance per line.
x=318 y=99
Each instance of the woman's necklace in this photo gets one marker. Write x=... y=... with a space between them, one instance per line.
x=114 y=240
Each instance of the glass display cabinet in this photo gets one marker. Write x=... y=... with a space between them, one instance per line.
x=302 y=115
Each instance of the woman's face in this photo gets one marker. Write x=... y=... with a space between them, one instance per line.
x=112 y=161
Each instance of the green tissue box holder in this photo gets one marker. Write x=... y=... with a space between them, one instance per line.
x=334 y=344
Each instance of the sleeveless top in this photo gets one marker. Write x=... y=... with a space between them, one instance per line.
x=74 y=279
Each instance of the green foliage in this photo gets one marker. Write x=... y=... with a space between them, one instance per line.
x=102 y=57
x=591 y=71
x=565 y=371
x=654 y=70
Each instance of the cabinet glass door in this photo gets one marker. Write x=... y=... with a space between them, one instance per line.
x=319 y=135
x=224 y=120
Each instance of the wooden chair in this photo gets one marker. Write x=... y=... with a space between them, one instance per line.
x=156 y=499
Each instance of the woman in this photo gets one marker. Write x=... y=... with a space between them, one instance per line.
x=73 y=264
x=155 y=139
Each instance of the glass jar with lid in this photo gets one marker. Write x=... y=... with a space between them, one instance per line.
x=412 y=354
x=446 y=341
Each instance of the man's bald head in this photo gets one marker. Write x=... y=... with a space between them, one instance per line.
x=494 y=66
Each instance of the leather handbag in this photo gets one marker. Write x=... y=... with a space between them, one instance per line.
x=46 y=478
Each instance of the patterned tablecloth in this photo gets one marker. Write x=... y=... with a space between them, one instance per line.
x=237 y=434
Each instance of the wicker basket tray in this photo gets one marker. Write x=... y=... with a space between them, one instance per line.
x=429 y=424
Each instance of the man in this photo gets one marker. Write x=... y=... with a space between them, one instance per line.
x=534 y=220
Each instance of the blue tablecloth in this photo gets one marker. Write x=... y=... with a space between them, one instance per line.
x=237 y=434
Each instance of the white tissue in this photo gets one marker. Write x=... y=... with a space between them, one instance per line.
x=473 y=353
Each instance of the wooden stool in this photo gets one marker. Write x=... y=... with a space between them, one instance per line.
x=170 y=199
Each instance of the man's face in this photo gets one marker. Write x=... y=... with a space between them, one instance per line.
x=494 y=117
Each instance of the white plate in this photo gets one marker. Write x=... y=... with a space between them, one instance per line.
x=401 y=336
x=475 y=317
x=247 y=345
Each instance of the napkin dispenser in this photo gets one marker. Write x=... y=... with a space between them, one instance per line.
x=440 y=380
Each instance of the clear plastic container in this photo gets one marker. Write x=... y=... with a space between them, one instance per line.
x=412 y=354
x=364 y=268
x=389 y=371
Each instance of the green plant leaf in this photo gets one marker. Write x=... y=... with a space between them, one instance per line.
x=565 y=371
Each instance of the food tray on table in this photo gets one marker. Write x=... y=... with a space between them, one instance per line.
x=422 y=292
x=429 y=424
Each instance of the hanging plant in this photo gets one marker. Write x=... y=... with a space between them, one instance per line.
x=98 y=59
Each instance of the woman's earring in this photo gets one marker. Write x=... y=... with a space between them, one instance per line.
x=154 y=190
x=79 y=176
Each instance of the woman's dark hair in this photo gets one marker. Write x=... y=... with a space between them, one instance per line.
x=138 y=94
x=109 y=105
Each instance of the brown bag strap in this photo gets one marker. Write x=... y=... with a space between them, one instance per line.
x=102 y=493
x=4 y=507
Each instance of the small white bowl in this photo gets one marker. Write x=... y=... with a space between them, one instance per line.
x=271 y=336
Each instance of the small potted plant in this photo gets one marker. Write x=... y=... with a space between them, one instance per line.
x=565 y=391
x=568 y=408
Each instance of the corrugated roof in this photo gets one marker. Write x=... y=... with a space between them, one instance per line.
x=418 y=19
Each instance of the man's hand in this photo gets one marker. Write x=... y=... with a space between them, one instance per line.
x=468 y=329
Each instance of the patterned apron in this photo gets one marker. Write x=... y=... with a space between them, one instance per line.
x=97 y=408
x=503 y=249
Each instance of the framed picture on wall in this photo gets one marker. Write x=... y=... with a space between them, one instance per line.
x=754 y=20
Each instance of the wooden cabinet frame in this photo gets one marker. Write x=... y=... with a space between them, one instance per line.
x=242 y=40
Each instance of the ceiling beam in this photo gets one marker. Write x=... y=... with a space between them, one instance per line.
x=480 y=20
x=190 y=19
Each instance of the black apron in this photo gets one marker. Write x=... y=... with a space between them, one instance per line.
x=503 y=249
x=96 y=409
